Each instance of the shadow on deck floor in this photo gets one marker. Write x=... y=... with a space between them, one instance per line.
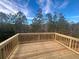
x=44 y=50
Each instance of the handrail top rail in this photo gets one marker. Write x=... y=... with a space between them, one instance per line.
x=69 y=37
x=39 y=33
x=2 y=44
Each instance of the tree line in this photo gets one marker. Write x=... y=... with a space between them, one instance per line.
x=18 y=23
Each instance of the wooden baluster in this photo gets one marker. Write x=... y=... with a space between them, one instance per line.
x=55 y=36
x=76 y=45
x=70 y=43
x=52 y=35
x=1 y=54
x=73 y=44
x=2 y=51
x=66 y=41
x=6 y=50
x=39 y=39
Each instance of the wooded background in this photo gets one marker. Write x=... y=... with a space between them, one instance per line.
x=18 y=23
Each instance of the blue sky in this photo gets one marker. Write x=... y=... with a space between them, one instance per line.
x=69 y=8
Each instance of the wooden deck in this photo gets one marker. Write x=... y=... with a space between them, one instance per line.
x=43 y=50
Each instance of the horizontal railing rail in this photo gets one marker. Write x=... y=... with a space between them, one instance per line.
x=7 y=47
x=70 y=42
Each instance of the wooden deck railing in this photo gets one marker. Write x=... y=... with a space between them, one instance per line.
x=34 y=37
x=69 y=42
x=8 y=46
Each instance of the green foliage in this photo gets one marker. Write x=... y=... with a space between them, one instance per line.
x=51 y=23
x=20 y=18
x=6 y=31
x=75 y=30
x=3 y=18
x=37 y=22
x=62 y=25
x=11 y=24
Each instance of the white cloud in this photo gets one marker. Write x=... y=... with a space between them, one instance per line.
x=8 y=7
x=11 y=6
x=41 y=2
x=51 y=5
x=63 y=5
x=48 y=6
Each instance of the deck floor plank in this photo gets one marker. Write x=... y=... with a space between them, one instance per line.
x=44 y=50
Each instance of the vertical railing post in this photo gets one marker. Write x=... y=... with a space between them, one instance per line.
x=17 y=41
x=70 y=43
x=0 y=54
x=55 y=36
x=39 y=37
x=76 y=45
x=3 y=54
